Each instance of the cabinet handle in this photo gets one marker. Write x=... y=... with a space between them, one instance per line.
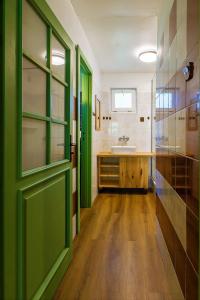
x=141 y=172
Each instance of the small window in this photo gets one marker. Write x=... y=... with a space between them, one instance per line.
x=124 y=100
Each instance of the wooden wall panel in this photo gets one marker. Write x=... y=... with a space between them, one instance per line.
x=184 y=263
x=192 y=24
x=179 y=163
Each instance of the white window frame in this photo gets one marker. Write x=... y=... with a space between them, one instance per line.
x=124 y=110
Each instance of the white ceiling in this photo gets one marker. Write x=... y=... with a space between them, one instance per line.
x=118 y=30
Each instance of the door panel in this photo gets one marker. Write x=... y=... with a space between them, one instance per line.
x=84 y=174
x=45 y=218
x=132 y=172
x=84 y=136
x=37 y=168
x=1 y=147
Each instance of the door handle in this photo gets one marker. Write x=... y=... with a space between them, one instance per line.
x=71 y=151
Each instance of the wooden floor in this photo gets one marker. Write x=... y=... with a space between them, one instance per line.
x=117 y=256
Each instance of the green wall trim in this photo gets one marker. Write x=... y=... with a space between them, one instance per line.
x=84 y=60
x=28 y=183
x=48 y=105
x=60 y=80
x=58 y=121
x=78 y=78
x=46 y=291
x=35 y=62
x=44 y=168
x=9 y=153
x=35 y=116
x=52 y=20
x=81 y=63
x=1 y=148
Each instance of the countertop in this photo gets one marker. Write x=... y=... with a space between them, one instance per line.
x=133 y=154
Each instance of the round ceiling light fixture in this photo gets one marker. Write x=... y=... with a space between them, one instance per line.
x=148 y=56
x=58 y=59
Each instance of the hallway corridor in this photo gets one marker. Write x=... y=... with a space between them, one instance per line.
x=117 y=255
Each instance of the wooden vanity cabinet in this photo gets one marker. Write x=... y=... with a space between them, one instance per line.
x=134 y=172
x=123 y=171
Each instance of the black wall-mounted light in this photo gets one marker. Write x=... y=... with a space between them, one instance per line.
x=188 y=71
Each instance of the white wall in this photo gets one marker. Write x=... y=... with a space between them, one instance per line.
x=65 y=13
x=127 y=123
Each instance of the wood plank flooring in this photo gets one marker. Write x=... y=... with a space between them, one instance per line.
x=117 y=256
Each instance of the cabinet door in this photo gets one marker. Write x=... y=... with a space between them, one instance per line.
x=134 y=172
x=143 y=173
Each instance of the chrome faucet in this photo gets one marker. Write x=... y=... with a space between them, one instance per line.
x=123 y=139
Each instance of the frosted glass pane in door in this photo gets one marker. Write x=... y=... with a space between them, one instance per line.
x=34 y=88
x=57 y=142
x=33 y=144
x=58 y=100
x=34 y=34
x=58 y=58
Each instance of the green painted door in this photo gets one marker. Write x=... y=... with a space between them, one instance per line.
x=1 y=149
x=37 y=236
x=84 y=138
x=84 y=132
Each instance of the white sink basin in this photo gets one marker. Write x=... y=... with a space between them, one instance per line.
x=123 y=149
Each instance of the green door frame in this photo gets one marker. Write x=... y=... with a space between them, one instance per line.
x=1 y=148
x=81 y=62
x=15 y=182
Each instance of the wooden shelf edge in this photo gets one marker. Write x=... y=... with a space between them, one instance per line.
x=108 y=186
x=109 y=166
x=109 y=175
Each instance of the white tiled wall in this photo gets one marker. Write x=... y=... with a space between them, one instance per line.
x=127 y=123
x=97 y=144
